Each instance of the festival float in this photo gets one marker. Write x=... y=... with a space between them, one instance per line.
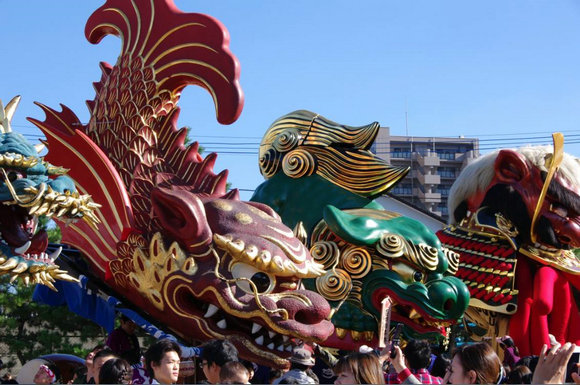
x=30 y=187
x=168 y=240
x=515 y=220
x=161 y=233
x=368 y=253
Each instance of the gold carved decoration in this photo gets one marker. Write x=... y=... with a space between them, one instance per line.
x=395 y=246
x=356 y=261
x=326 y=253
x=506 y=225
x=452 y=259
x=33 y=272
x=290 y=264
x=303 y=143
x=298 y=163
x=48 y=202
x=152 y=266
x=335 y=285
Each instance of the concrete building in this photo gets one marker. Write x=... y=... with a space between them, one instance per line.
x=435 y=163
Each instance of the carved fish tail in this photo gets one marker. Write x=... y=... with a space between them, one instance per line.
x=134 y=114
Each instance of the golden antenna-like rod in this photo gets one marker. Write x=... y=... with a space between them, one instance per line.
x=557 y=158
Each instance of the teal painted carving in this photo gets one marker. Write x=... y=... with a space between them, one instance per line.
x=31 y=187
x=322 y=179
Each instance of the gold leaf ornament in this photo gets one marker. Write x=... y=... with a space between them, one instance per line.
x=391 y=245
x=269 y=163
x=334 y=285
x=326 y=253
x=357 y=261
x=298 y=163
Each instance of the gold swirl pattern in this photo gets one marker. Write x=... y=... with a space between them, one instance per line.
x=287 y=140
x=334 y=285
x=422 y=255
x=326 y=253
x=341 y=152
x=395 y=246
x=429 y=256
x=391 y=245
x=269 y=163
x=453 y=259
x=298 y=163
x=358 y=171
x=357 y=261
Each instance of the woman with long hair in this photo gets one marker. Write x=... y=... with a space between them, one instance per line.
x=359 y=368
x=475 y=364
x=471 y=364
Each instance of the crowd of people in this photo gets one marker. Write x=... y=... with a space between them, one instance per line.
x=416 y=363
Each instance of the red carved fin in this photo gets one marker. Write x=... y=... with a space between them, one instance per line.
x=215 y=185
x=94 y=174
x=64 y=122
x=233 y=194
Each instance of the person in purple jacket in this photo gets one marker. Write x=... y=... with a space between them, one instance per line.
x=511 y=355
x=123 y=341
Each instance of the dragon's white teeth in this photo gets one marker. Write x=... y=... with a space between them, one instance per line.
x=289 y=348
x=211 y=310
x=22 y=249
x=271 y=346
x=222 y=324
x=285 y=338
x=280 y=348
x=271 y=334
x=260 y=340
x=256 y=328
x=54 y=255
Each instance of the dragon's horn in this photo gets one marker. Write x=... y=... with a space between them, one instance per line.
x=7 y=113
x=39 y=147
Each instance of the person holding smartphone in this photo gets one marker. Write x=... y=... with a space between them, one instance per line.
x=417 y=357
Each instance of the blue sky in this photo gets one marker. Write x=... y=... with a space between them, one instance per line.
x=499 y=70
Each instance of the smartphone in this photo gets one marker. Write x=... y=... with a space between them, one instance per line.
x=572 y=364
x=396 y=338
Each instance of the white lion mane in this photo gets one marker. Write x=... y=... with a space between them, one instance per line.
x=478 y=175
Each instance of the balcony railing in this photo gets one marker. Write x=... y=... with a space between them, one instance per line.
x=428 y=178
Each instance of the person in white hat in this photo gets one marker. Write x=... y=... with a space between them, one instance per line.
x=44 y=375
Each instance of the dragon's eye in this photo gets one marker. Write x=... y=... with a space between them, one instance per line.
x=13 y=175
x=407 y=273
x=418 y=276
x=264 y=282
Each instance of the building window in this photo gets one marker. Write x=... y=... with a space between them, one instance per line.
x=401 y=153
x=446 y=172
x=403 y=190
x=446 y=154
